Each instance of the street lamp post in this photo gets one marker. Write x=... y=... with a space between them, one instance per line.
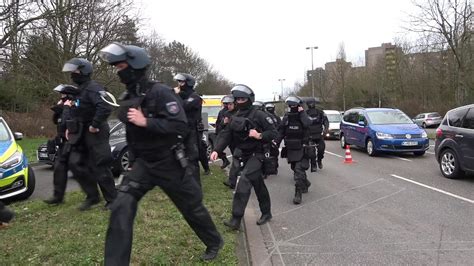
x=281 y=82
x=312 y=67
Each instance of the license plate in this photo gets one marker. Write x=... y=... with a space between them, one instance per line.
x=43 y=155
x=409 y=143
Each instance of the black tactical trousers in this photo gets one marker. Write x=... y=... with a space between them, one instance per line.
x=251 y=176
x=321 y=147
x=299 y=168
x=203 y=155
x=60 y=172
x=234 y=171
x=183 y=191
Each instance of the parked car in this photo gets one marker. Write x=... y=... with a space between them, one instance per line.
x=17 y=179
x=382 y=130
x=425 y=120
x=118 y=146
x=454 y=145
x=334 y=118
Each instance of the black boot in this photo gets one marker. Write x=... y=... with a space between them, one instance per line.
x=320 y=164
x=53 y=200
x=6 y=215
x=233 y=223
x=297 y=199
x=88 y=203
x=308 y=184
x=225 y=162
x=264 y=218
x=212 y=251
x=207 y=171
x=314 y=168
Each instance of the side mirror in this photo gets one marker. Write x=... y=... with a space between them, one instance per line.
x=18 y=135
x=361 y=123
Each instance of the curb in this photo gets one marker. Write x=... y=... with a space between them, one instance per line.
x=256 y=244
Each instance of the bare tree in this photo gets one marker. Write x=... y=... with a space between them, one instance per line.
x=449 y=24
x=340 y=73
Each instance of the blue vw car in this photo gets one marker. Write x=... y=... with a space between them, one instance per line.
x=382 y=130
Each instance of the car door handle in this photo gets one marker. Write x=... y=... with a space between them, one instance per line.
x=459 y=136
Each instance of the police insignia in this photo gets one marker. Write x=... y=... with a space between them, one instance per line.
x=269 y=120
x=172 y=108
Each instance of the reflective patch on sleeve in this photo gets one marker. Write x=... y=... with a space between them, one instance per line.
x=172 y=108
x=269 y=120
x=190 y=99
x=103 y=93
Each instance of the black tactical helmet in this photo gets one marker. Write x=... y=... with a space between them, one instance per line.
x=136 y=57
x=311 y=102
x=269 y=106
x=293 y=101
x=228 y=99
x=260 y=105
x=66 y=89
x=190 y=80
x=81 y=64
x=243 y=91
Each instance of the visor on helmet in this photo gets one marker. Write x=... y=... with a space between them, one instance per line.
x=113 y=53
x=69 y=67
x=227 y=99
x=179 y=77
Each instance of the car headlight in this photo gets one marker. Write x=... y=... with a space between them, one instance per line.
x=112 y=148
x=424 y=135
x=381 y=135
x=13 y=161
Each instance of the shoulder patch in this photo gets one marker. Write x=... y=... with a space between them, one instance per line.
x=269 y=120
x=190 y=99
x=172 y=108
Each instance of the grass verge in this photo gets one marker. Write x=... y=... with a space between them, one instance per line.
x=42 y=234
x=30 y=146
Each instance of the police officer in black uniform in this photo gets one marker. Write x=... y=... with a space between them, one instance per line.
x=295 y=132
x=88 y=132
x=249 y=128
x=61 y=113
x=319 y=124
x=270 y=107
x=156 y=125
x=223 y=118
x=192 y=104
x=203 y=159
x=259 y=105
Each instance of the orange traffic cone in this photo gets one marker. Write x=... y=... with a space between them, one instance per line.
x=348 y=158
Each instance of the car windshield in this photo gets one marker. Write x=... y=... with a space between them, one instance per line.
x=334 y=118
x=388 y=117
x=211 y=110
x=4 y=132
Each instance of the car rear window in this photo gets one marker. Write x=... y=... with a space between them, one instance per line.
x=455 y=117
x=434 y=115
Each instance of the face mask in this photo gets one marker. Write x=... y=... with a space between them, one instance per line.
x=127 y=75
x=184 y=94
x=294 y=109
x=78 y=78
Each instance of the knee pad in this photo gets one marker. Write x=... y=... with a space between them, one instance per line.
x=133 y=189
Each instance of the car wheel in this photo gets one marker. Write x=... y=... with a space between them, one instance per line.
x=342 y=140
x=449 y=164
x=369 y=146
x=419 y=153
x=124 y=160
x=30 y=187
x=423 y=125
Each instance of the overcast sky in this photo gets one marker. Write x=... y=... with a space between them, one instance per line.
x=257 y=42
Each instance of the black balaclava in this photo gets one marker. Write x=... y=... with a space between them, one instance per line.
x=185 y=91
x=294 y=109
x=79 y=79
x=243 y=106
x=130 y=77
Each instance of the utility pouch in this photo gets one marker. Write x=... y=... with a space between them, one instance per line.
x=293 y=144
x=238 y=124
x=270 y=164
x=51 y=146
x=310 y=152
x=180 y=155
x=72 y=126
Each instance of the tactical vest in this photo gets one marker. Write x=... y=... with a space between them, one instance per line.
x=240 y=126
x=145 y=143
x=294 y=132
x=316 y=127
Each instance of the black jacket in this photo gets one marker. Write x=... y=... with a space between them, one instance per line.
x=90 y=107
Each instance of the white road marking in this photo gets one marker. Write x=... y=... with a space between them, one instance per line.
x=403 y=159
x=337 y=155
x=435 y=189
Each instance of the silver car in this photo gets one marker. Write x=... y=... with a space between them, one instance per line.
x=428 y=119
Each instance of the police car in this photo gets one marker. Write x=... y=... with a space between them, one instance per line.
x=17 y=179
